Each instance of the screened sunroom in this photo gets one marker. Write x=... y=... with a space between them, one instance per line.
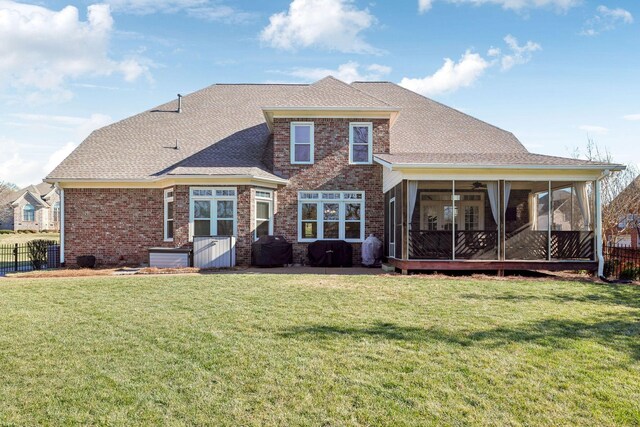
x=492 y=219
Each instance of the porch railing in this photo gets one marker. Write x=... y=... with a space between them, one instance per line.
x=438 y=244
x=521 y=244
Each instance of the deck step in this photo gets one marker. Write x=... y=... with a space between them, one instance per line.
x=388 y=268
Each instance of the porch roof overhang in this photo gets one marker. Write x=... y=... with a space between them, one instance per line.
x=485 y=166
x=170 y=180
x=271 y=113
x=506 y=161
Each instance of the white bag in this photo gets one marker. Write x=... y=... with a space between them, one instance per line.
x=371 y=251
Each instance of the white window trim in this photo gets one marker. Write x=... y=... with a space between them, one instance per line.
x=255 y=221
x=168 y=200
x=213 y=198
x=370 y=142
x=292 y=142
x=341 y=219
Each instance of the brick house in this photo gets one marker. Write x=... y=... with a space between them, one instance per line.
x=36 y=208
x=327 y=160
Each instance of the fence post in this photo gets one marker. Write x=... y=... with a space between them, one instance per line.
x=15 y=258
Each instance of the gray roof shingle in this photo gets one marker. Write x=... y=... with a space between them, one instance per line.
x=222 y=131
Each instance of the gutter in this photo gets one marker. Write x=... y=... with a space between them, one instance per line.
x=398 y=166
x=274 y=180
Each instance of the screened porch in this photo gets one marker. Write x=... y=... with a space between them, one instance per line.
x=492 y=221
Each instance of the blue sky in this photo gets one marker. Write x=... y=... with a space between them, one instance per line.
x=551 y=71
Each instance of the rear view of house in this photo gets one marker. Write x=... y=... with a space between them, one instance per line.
x=328 y=161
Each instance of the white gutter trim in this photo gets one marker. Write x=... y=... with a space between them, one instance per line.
x=168 y=177
x=399 y=166
x=307 y=108
x=61 y=222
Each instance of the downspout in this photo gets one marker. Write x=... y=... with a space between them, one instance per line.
x=57 y=185
x=598 y=201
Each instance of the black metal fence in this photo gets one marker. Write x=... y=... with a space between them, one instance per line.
x=33 y=255
x=621 y=262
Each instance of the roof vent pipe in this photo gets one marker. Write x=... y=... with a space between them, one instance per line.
x=179 y=103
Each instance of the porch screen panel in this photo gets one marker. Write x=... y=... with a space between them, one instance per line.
x=477 y=205
x=571 y=236
x=434 y=219
x=400 y=233
x=526 y=225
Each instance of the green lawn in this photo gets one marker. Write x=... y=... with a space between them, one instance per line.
x=13 y=238
x=318 y=350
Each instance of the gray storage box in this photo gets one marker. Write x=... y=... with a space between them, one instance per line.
x=170 y=257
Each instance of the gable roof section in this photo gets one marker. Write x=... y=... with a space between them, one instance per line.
x=37 y=192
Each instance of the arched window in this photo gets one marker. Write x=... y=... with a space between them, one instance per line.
x=28 y=213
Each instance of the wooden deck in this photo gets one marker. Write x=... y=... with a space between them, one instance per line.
x=409 y=265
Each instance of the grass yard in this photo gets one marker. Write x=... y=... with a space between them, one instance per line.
x=235 y=349
x=20 y=238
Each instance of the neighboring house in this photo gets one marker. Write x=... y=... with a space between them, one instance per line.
x=626 y=206
x=328 y=160
x=36 y=207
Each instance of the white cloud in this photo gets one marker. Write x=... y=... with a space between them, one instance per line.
x=42 y=48
x=605 y=20
x=471 y=66
x=16 y=168
x=28 y=163
x=334 y=25
x=144 y=7
x=516 y=5
x=347 y=72
x=424 y=5
x=632 y=117
x=450 y=77
x=208 y=10
x=57 y=156
x=594 y=129
x=519 y=54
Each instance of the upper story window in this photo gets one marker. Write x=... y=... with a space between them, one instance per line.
x=28 y=213
x=302 y=143
x=360 y=143
x=168 y=215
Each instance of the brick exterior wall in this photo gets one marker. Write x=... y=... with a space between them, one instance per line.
x=118 y=226
x=331 y=171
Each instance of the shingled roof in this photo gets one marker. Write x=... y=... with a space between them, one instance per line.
x=221 y=130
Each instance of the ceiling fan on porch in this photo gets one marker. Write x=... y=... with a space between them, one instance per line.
x=478 y=185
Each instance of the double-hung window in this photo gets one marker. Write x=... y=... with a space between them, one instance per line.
x=360 y=143
x=302 y=143
x=213 y=211
x=28 y=213
x=264 y=213
x=168 y=215
x=331 y=215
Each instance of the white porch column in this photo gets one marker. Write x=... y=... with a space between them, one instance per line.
x=598 y=228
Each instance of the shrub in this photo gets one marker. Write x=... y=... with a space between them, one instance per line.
x=7 y=232
x=38 y=252
x=630 y=272
x=610 y=267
